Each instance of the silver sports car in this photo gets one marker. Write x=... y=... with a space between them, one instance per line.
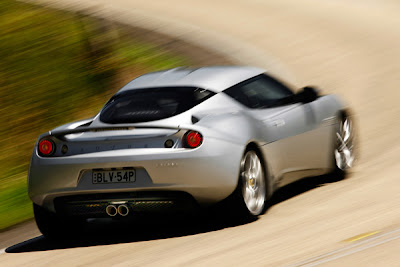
x=173 y=140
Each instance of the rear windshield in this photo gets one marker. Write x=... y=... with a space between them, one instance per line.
x=142 y=105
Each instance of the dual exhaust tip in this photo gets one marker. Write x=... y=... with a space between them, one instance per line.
x=113 y=210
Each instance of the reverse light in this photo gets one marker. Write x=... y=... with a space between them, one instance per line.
x=193 y=139
x=169 y=143
x=46 y=147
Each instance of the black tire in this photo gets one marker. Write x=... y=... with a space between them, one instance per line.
x=53 y=226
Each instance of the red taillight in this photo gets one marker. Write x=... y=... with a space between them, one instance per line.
x=46 y=147
x=193 y=139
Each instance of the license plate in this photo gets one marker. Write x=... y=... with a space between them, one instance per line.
x=110 y=177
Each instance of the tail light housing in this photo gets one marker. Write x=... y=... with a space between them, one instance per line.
x=192 y=139
x=46 y=147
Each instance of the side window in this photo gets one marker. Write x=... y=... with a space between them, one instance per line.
x=259 y=92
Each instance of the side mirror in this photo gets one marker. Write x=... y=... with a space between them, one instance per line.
x=308 y=94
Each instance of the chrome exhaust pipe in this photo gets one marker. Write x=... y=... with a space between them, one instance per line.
x=123 y=210
x=111 y=210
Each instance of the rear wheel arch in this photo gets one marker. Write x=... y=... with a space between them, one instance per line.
x=343 y=113
x=267 y=173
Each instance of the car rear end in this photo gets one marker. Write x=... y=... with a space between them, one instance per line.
x=143 y=153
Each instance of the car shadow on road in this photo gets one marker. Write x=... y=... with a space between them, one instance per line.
x=302 y=186
x=107 y=232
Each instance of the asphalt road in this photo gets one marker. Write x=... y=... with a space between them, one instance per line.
x=350 y=49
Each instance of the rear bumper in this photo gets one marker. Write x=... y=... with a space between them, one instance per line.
x=208 y=174
x=94 y=205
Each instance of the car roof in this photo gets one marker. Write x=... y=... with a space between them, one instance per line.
x=214 y=78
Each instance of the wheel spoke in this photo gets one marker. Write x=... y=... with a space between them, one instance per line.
x=253 y=165
x=348 y=156
x=257 y=171
x=346 y=131
x=247 y=194
x=252 y=203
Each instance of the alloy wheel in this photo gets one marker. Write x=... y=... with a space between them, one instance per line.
x=253 y=183
x=344 y=151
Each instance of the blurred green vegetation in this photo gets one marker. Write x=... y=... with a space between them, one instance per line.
x=56 y=67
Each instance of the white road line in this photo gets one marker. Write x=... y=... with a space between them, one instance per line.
x=348 y=250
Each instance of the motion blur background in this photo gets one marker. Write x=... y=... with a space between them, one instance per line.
x=57 y=67
x=60 y=66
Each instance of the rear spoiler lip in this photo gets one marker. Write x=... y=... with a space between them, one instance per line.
x=59 y=133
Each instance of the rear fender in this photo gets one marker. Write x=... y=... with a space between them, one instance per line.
x=234 y=127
